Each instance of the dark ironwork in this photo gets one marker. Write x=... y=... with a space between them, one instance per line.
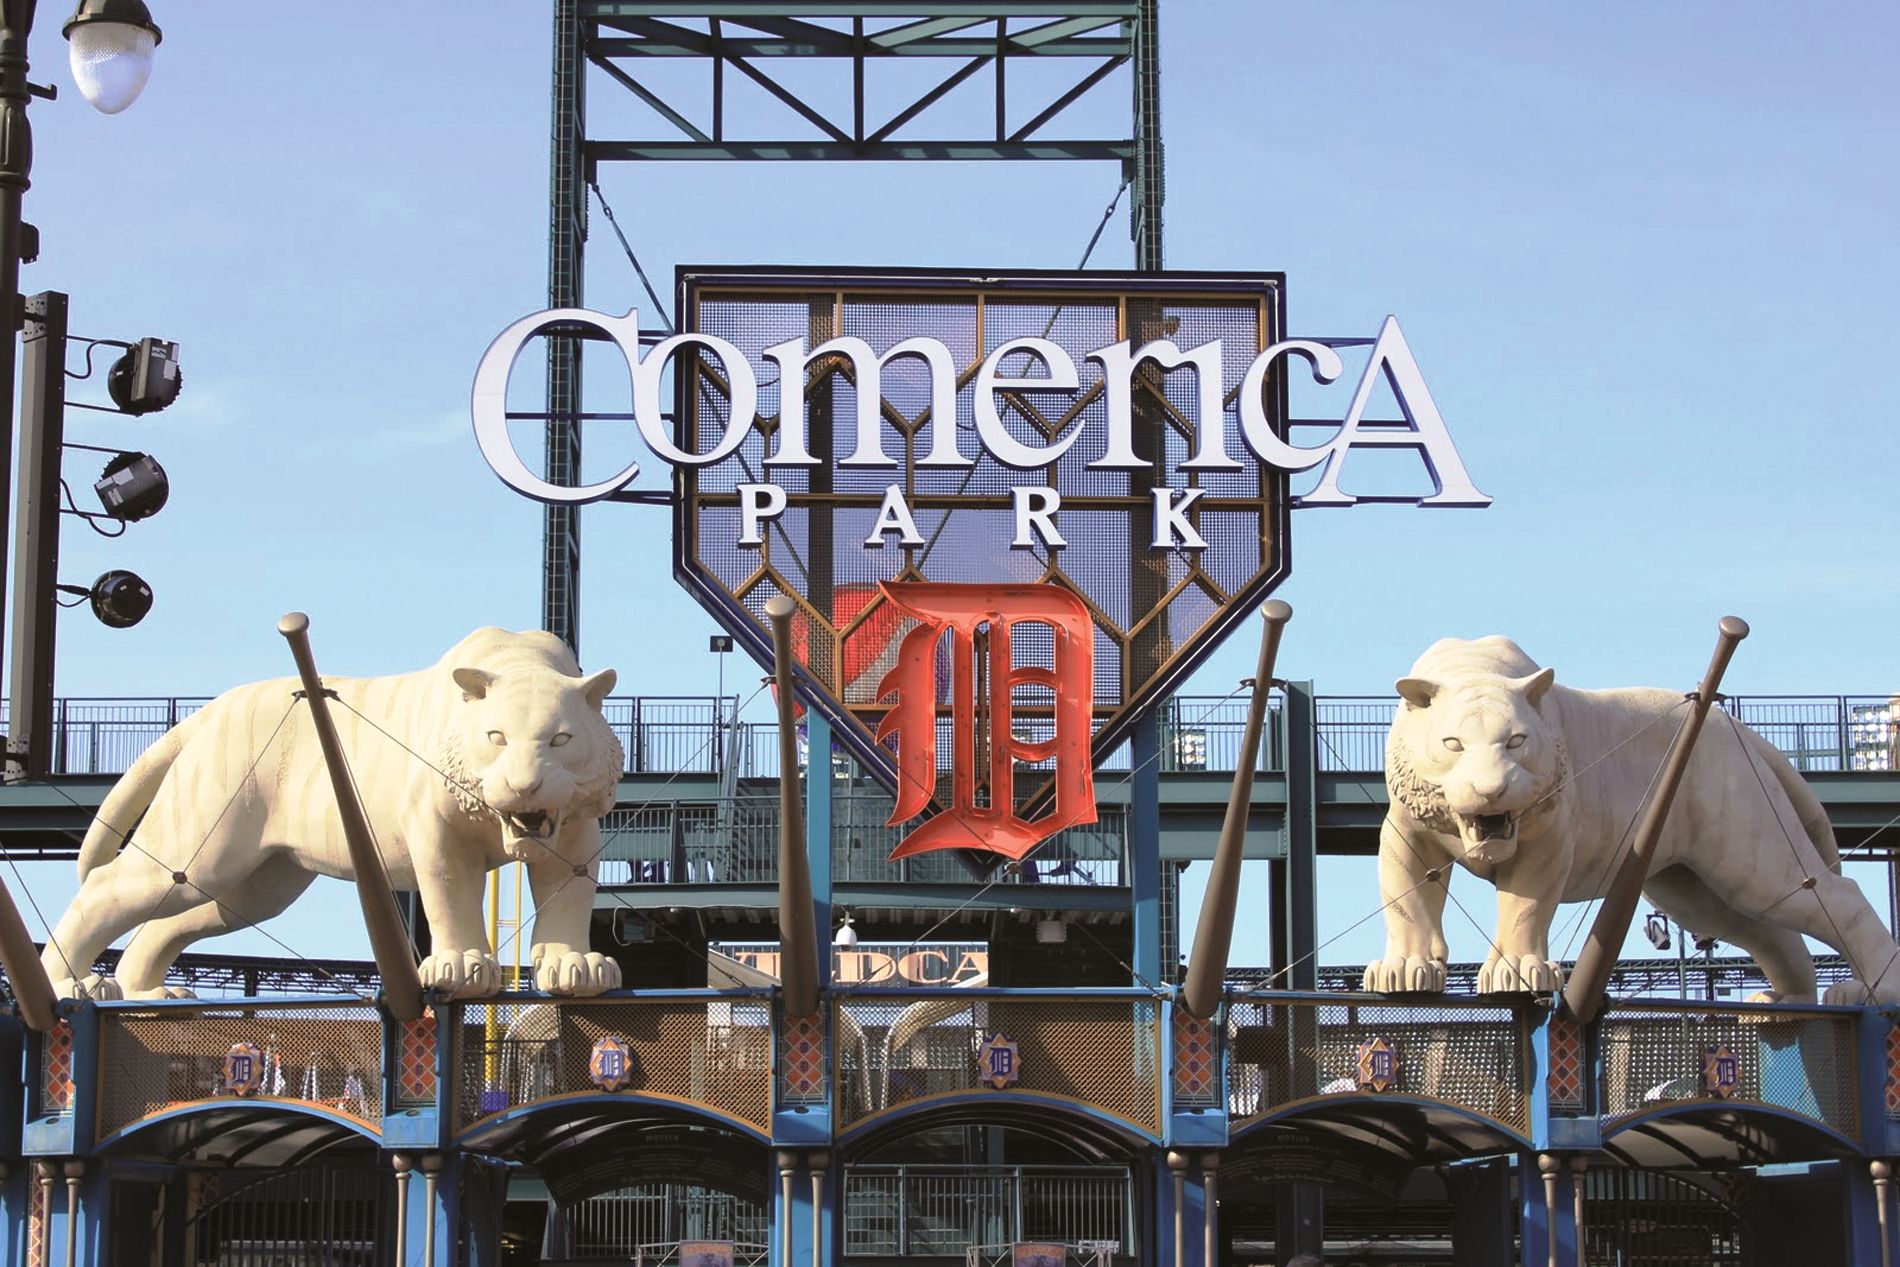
x=936 y=45
x=30 y=738
x=679 y=734
x=1156 y=618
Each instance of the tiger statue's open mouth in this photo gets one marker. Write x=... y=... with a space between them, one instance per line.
x=1488 y=838
x=526 y=835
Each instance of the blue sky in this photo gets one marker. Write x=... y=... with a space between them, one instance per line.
x=1643 y=253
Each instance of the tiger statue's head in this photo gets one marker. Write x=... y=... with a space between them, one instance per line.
x=1473 y=749
x=532 y=745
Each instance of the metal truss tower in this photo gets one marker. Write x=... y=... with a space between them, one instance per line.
x=937 y=44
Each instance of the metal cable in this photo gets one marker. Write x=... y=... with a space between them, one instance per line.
x=658 y=307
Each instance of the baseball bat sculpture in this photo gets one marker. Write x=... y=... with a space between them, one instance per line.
x=1214 y=933
x=798 y=928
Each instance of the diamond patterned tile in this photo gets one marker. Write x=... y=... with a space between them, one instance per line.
x=803 y=1041
x=57 y=1087
x=1565 y=1083
x=416 y=1060
x=1893 y=1072
x=1195 y=1068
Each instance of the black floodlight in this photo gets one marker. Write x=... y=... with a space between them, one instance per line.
x=1656 y=928
x=120 y=599
x=133 y=487
x=146 y=378
x=719 y=644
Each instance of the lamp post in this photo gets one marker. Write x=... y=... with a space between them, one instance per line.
x=111 y=52
x=112 y=42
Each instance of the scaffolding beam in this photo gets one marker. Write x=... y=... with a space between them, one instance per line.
x=942 y=45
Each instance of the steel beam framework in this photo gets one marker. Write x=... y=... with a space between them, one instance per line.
x=940 y=45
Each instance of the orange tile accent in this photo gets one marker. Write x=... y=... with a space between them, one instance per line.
x=415 y=1059
x=1565 y=1083
x=56 y=1092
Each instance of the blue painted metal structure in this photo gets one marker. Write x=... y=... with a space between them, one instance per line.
x=1799 y=1104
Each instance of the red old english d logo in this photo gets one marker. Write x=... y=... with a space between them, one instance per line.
x=980 y=621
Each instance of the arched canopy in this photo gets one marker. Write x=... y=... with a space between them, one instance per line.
x=262 y=1133
x=1410 y=1130
x=588 y=1144
x=1702 y=1135
x=1089 y=1133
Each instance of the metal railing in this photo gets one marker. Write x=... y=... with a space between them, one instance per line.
x=945 y=1211
x=314 y=1052
x=707 y=1048
x=684 y=734
x=1100 y=1048
x=1797 y=1059
x=734 y=840
x=1287 y=1049
x=646 y=1221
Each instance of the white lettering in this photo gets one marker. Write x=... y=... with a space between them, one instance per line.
x=1036 y=508
x=867 y=374
x=1422 y=430
x=1003 y=446
x=758 y=503
x=1172 y=529
x=1118 y=376
x=489 y=403
x=1425 y=433
x=1255 y=426
x=744 y=399
x=894 y=516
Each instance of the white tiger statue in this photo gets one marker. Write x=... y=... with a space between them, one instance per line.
x=510 y=759
x=1534 y=787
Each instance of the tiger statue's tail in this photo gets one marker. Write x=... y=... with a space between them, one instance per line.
x=126 y=803
x=1807 y=806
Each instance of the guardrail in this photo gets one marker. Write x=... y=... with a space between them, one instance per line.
x=734 y=840
x=944 y=1211
x=1803 y=1060
x=320 y=1054
x=685 y=734
x=1100 y=1049
x=889 y=1061
x=1291 y=1049
x=713 y=1049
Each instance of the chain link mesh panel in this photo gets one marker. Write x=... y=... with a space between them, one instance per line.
x=1475 y=1056
x=890 y=1051
x=1799 y=1061
x=1155 y=611
x=711 y=1052
x=330 y=1056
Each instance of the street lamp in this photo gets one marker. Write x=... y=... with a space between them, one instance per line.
x=111 y=44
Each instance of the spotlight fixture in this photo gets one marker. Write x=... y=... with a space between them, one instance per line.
x=146 y=378
x=120 y=599
x=1656 y=928
x=132 y=487
x=1051 y=932
x=112 y=42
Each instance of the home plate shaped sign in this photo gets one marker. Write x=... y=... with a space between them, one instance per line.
x=1012 y=511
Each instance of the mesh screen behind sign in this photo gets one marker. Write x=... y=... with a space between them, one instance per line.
x=1156 y=611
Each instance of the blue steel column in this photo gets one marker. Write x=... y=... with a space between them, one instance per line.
x=1144 y=850
x=567 y=232
x=15 y=1076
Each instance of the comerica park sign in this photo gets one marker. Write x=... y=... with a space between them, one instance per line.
x=865 y=441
